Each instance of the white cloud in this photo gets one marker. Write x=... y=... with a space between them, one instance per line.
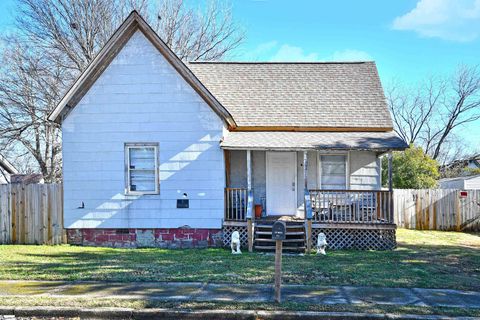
x=261 y=50
x=266 y=46
x=291 y=53
x=274 y=52
x=457 y=20
x=351 y=55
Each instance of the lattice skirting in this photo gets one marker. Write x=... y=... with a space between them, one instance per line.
x=227 y=235
x=366 y=239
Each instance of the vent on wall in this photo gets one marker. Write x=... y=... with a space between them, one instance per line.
x=183 y=203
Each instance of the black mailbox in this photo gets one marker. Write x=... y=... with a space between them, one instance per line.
x=279 y=230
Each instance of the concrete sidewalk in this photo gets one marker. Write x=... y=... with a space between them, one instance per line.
x=195 y=291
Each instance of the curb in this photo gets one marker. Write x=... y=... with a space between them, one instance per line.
x=143 y=314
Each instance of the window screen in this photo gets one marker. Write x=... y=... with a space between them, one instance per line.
x=142 y=168
x=333 y=172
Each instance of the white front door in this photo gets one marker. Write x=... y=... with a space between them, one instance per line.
x=281 y=183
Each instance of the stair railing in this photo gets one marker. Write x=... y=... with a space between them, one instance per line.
x=250 y=219
x=308 y=220
x=235 y=204
x=308 y=205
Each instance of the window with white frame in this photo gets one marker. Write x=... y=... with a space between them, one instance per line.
x=333 y=172
x=141 y=163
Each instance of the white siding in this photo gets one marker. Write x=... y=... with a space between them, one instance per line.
x=364 y=171
x=464 y=183
x=238 y=169
x=141 y=98
x=473 y=183
x=452 y=184
x=259 y=178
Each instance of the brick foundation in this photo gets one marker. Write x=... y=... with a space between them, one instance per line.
x=174 y=238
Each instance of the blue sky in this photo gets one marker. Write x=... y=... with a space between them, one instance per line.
x=408 y=39
x=384 y=31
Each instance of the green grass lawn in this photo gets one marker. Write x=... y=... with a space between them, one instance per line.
x=427 y=259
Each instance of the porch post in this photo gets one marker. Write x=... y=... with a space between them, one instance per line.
x=306 y=204
x=249 y=170
x=250 y=215
x=390 y=188
x=305 y=164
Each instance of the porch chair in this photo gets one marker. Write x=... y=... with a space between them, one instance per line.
x=367 y=205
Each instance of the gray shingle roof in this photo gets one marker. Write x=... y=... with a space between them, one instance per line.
x=347 y=94
x=282 y=140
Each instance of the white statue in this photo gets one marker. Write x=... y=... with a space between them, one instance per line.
x=321 y=243
x=235 y=244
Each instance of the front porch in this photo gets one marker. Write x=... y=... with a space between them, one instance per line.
x=360 y=218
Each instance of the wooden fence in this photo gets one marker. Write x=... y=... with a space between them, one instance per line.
x=437 y=209
x=31 y=214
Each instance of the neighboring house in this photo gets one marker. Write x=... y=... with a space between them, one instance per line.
x=28 y=178
x=474 y=162
x=157 y=152
x=6 y=170
x=463 y=183
x=462 y=167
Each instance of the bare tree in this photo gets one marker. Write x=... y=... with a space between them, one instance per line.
x=53 y=43
x=195 y=34
x=72 y=32
x=430 y=115
x=412 y=110
x=55 y=40
x=461 y=106
x=28 y=90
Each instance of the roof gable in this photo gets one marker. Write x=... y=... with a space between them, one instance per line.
x=118 y=40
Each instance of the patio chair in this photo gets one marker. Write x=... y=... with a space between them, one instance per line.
x=367 y=206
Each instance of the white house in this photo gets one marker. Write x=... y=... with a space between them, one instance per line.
x=462 y=183
x=157 y=152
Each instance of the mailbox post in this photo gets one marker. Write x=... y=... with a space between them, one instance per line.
x=278 y=234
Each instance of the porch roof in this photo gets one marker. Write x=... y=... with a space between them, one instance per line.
x=282 y=140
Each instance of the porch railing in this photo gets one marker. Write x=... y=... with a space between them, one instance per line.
x=236 y=203
x=352 y=206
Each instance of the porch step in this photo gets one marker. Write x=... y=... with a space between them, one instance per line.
x=285 y=248
x=294 y=242
x=290 y=233
x=289 y=226
x=273 y=241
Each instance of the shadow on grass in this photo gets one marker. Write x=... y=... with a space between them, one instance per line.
x=430 y=266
